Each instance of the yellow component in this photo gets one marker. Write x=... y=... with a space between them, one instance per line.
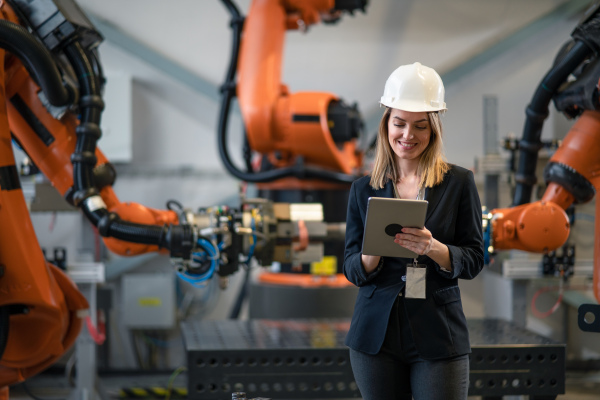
x=150 y=301
x=181 y=391
x=326 y=267
x=158 y=391
x=139 y=391
x=323 y=337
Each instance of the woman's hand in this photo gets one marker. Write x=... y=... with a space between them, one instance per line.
x=418 y=240
x=370 y=263
x=422 y=242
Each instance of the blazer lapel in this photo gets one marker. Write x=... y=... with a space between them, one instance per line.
x=433 y=196
x=386 y=191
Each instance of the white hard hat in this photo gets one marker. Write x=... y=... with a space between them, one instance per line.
x=414 y=87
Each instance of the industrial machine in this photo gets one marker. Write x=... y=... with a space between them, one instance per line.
x=571 y=174
x=52 y=84
x=299 y=147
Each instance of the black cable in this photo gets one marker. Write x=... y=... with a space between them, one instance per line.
x=237 y=21
x=247 y=154
x=176 y=238
x=174 y=203
x=88 y=131
x=228 y=89
x=4 y=328
x=537 y=112
x=37 y=60
x=239 y=301
x=97 y=65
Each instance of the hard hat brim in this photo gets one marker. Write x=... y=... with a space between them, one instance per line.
x=413 y=106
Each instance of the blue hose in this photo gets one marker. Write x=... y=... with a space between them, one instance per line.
x=198 y=280
x=253 y=245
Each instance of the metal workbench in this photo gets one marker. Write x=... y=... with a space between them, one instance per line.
x=306 y=359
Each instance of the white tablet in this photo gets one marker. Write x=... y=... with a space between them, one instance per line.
x=385 y=218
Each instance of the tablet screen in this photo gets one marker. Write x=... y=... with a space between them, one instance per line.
x=385 y=218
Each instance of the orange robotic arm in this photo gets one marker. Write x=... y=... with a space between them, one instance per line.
x=64 y=146
x=536 y=227
x=314 y=129
x=40 y=307
x=52 y=150
x=572 y=174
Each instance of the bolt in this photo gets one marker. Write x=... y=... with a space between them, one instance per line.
x=223 y=282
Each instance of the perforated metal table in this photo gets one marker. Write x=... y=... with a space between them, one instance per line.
x=306 y=359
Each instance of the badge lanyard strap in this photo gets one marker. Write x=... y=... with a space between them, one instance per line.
x=420 y=196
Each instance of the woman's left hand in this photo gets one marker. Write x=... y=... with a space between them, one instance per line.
x=418 y=240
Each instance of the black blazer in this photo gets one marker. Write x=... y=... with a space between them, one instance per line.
x=438 y=322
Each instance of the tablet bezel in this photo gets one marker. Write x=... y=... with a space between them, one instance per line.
x=383 y=211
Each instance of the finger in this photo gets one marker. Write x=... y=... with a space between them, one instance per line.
x=412 y=239
x=412 y=231
x=408 y=236
x=417 y=232
x=411 y=246
x=408 y=244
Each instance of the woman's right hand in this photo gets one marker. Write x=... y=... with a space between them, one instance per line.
x=370 y=263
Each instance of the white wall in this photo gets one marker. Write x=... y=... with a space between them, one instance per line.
x=175 y=126
x=513 y=78
x=351 y=58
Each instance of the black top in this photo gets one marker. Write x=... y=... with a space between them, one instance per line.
x=438 y=323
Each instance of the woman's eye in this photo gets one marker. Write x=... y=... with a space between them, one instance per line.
x=421 y=127
x=400 y=125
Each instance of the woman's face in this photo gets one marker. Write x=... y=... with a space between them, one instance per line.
x=408 y=133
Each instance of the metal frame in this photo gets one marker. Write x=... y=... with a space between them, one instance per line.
x=510 y=360
x=303 y=359
x=87 y=276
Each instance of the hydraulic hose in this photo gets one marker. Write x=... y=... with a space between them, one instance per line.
x=96 y=65
x=4 y=328
x=239 y=300
x=177 y=238
x=228 y=90
x=237 y=22
x=38 y=62
x=536 y=113
x=88 y=131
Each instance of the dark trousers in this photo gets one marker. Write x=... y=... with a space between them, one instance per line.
x=397 y=372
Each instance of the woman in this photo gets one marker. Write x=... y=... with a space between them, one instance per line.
x=402 y=347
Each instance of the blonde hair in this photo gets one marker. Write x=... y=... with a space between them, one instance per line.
x=432 y=163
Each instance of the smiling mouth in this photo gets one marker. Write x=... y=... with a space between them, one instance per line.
x=407 y=145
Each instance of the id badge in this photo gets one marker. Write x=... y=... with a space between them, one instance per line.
x=415 y=281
